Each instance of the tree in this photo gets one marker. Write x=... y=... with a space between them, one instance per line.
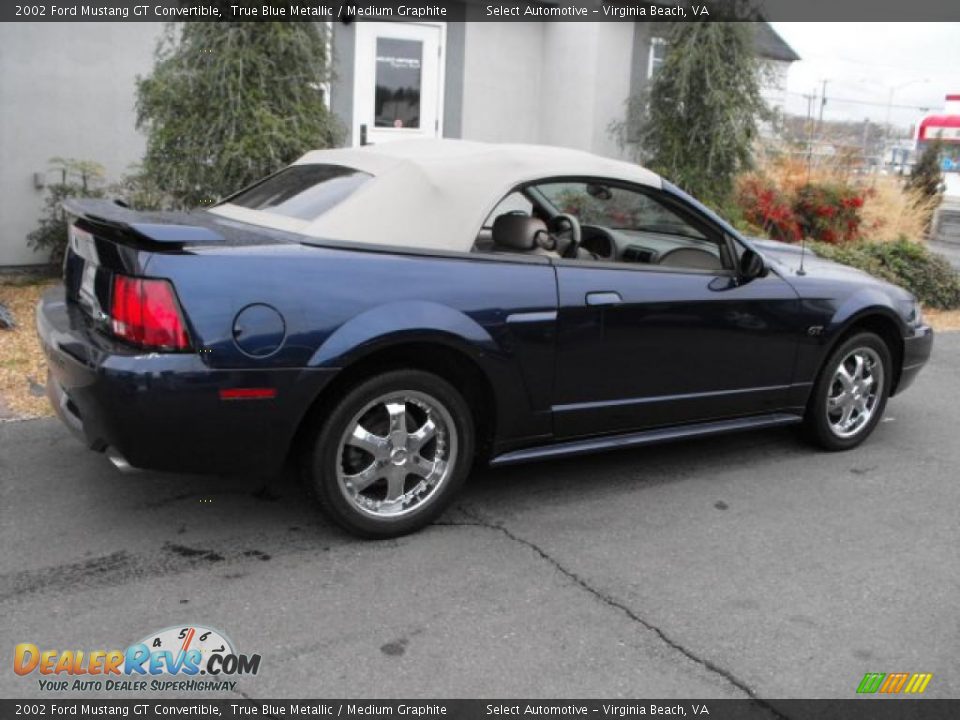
x=926 y=179
x=697 y=122
x=77 y=178
x=230 y=102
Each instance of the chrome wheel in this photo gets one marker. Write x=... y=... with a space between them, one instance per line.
x=396 y=453
x=855 y=392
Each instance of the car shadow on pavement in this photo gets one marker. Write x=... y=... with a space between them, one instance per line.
x=283 y=502
x=168 y=523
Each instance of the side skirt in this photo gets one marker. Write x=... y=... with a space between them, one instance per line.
x=644 y=437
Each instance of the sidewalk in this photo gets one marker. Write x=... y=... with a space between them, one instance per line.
x=946 y=222
x=951 y=251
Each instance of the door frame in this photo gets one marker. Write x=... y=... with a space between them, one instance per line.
x=372 y=27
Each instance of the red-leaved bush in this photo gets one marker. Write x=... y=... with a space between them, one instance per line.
x=827 y=212
x=768 y=208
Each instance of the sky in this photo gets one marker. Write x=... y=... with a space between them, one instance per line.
x=863 y=61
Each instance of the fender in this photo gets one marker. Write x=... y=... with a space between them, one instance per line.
x=865 y=301
x=833 y=320
x=393 y=324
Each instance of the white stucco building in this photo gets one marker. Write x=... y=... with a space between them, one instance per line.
x=67 y=90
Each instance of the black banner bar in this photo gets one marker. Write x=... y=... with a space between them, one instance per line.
x=874 y=708
x=476 y=10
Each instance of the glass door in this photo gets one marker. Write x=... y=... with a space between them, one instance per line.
x=398 y=86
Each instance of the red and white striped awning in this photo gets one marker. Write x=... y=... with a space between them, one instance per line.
x=945 y=126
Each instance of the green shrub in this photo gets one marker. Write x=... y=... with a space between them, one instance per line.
x=911 y=265
x=696 y=123
x=78 y=178
x=139 y=191
x=228 y=103
x=926 y=179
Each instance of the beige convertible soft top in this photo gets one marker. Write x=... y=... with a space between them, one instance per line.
x=434 y=194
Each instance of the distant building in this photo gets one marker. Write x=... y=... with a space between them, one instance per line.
x=944 y=126
x=779 y=56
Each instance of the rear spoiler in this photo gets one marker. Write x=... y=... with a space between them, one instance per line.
x=160 y=228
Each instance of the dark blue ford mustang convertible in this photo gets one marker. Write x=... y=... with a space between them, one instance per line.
x=391 y=315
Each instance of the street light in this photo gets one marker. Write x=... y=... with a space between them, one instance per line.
x=892 y=90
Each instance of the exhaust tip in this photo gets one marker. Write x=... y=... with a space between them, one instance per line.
x=119 y=461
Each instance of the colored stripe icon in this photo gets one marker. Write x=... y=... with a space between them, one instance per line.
x=918 y=683
x=894 y=683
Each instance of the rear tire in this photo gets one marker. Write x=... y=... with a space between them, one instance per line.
x=851 y=393
x=392 y=454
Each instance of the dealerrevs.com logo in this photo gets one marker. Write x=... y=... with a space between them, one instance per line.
x=180 y=658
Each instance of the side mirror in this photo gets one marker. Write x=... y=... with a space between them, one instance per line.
x=752 y=265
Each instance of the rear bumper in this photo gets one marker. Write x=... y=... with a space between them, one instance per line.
x=163 y=411
x=916 y=352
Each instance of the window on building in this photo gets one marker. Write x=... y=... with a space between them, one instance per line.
x=658 y=52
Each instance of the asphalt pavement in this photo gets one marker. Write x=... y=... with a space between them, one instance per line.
x=729 y=567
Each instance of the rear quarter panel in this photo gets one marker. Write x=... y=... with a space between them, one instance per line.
x=340 y=305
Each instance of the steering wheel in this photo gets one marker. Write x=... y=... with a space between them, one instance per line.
x=572 y=230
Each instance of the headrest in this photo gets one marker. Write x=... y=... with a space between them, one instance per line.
x=519 y=232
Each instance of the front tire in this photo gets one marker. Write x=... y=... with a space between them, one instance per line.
x=851 y=393
x=392 y=454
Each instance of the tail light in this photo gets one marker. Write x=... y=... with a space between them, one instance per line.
x=145 y=312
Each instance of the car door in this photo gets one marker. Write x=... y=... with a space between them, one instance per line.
x=641 y=345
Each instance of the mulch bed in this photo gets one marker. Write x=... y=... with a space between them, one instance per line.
x=23 y=369
x=942 y=320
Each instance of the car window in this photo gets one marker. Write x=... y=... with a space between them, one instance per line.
x=512 y=203
x=304 y=192
x=616 y=208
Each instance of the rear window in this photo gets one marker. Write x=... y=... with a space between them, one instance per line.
x=302 y=191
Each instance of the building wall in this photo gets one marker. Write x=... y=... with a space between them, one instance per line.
x=343 y=46
x=774 y=88
x=66 y=90
x=549 y=83
x=502 y=77
x=612 y=84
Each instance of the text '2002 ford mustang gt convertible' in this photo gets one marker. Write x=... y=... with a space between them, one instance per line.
x=392 y=314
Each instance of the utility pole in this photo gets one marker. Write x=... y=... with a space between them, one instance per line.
x=809 y=128
x=823 y=101
x=816 y=133
x=866 y=137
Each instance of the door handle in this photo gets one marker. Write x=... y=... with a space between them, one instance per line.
x=604 y=298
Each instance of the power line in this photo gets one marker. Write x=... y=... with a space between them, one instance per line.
x=939 y=69
x=864 y=102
